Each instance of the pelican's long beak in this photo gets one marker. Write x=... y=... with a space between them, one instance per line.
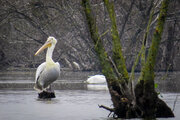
x=46 y=45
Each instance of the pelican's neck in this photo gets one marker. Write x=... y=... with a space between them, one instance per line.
x=49 y=54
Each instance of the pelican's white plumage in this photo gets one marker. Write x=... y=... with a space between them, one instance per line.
x=48 y=71
x=96 y=79
x=39 y=70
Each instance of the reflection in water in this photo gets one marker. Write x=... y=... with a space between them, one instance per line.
x=48 y=100
x=97 y=87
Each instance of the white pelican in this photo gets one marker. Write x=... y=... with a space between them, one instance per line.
x=96 y=79
x=48 y=71
x=76 y=65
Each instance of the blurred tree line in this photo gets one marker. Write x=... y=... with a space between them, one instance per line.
x=26 y=24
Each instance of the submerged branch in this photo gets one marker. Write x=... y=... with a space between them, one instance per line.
x=174 y=105
x=106 y=108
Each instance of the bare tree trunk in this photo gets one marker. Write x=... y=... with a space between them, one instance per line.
x=145 y=102
x=99 y=48
x=117 y=49
x=108 y=66
x=146 y=96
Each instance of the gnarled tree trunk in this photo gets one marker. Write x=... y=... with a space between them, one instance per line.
x=145 y=102
x=146 y=96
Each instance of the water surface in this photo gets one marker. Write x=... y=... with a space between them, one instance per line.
x=74 y=100
x=68 y=105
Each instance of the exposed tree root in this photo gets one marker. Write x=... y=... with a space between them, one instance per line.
x=124 y=107
x=149 y=100
x=163 y=110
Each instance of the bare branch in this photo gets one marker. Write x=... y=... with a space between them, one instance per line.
x=115 y=67
x=107 y=108
x=174 y=105
x=126 y=19
x=38 y=41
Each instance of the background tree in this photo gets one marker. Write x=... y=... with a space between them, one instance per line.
x=25 y=25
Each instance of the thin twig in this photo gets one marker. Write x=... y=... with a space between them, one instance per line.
x=38 y=41
x=175 y=102
x=126 y=19
x=114 y=65
x=99 y=38
x=166 y=74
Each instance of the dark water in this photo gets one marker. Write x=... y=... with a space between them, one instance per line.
x=68 y=105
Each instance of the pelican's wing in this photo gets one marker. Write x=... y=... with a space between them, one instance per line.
x=58 y=67
x=40 y=70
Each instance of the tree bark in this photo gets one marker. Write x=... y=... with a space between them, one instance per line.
x=146 y=96
x=117 y=49
x=146 y=102
x=108 y=68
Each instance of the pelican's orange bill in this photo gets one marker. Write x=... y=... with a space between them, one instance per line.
x=46 y=45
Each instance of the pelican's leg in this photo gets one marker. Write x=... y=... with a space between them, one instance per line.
x=38 y=87
x=49 y=89
x=47 y=93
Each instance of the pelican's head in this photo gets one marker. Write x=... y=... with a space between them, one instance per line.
x=51 y=42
